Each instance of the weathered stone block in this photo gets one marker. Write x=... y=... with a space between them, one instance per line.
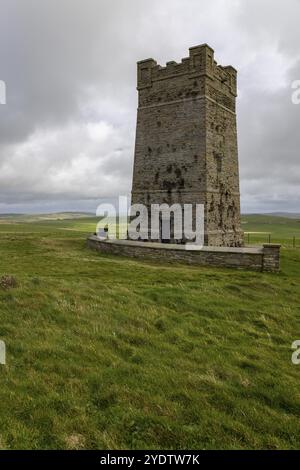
x=265 y=258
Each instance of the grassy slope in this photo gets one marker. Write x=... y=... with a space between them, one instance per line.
x=106 y=352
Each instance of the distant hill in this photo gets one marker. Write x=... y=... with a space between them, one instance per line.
x=41 y=217
x=271 y=218
x=6 y=216
x=289 y=215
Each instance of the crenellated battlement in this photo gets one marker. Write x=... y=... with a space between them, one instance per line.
x=200 y=63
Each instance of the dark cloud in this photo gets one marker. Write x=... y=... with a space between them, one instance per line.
x=67 y=131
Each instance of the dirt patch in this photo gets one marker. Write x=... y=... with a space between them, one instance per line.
x=75 y=441
x=8 y=282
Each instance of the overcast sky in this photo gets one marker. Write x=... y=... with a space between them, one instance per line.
x=67 y=130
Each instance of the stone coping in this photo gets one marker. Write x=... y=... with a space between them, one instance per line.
x=174 y=246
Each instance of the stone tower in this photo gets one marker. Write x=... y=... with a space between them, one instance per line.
x=186 y=141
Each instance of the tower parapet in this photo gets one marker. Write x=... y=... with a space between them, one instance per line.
x=200 y=63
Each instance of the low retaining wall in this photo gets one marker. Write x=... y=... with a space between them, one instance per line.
x=265 y=258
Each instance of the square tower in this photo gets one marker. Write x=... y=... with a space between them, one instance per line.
x=186 y=141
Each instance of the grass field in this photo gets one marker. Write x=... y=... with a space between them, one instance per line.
x=106 y=352
x=258 y=229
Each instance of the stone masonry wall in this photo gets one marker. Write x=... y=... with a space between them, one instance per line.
x=186 y=141
x=256 y=259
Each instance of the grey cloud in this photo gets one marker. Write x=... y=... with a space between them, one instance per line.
x=70 y=68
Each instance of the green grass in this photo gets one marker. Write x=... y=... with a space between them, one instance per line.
x=106 y=352
x=282 y=230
